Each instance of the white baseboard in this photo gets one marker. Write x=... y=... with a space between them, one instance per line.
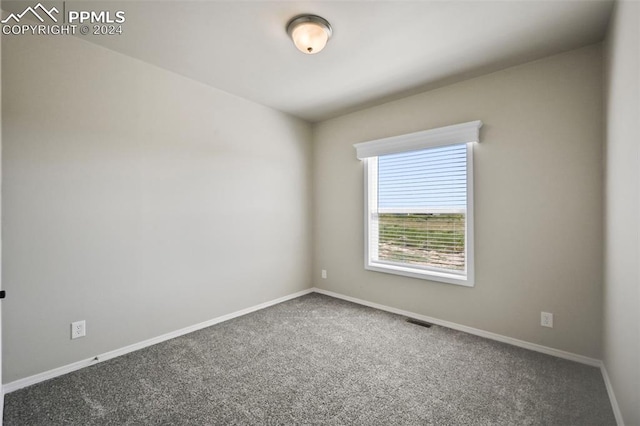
x=482 y=333
x=41 y=377
x=612 y=396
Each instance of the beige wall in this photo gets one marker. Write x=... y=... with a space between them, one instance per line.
x=538 y=202
x=622 y=252
x=139 y=201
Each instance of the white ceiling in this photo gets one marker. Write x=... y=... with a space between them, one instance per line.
x=380 y=50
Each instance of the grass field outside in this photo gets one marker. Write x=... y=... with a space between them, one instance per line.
x=432 y=240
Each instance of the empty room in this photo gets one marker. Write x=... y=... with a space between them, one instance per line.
x=320 y=212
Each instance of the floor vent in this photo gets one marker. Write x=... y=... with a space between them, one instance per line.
x=418 y=322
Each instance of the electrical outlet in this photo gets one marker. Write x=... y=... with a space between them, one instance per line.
x=324 y=274
x=78 y=329
x=546 y=319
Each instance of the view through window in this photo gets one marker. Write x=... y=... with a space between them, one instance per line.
x=419 y=211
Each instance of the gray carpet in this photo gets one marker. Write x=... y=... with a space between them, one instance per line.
x=320 y=360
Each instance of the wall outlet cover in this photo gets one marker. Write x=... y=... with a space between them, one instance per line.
x=78 y=329
x=546 y=319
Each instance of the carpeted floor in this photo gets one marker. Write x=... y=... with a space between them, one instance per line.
x=320 y=360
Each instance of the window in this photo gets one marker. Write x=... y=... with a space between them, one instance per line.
x=419 y=203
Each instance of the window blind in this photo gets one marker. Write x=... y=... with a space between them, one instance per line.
x=420 y=216
x=427 y=181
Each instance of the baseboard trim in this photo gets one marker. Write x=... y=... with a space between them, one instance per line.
x=475 y=331
x=612 y=397
x=50 y=374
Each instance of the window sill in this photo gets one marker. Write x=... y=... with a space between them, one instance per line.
x=443 y=277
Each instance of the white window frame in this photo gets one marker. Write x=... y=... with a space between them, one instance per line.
x=465 y=133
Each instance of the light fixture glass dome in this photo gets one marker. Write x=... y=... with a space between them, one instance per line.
x=310 y=33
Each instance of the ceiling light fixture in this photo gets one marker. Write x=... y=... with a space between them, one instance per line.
x=310 y=33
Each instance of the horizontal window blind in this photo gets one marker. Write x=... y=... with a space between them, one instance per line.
x=420 y=217
x=431 y=179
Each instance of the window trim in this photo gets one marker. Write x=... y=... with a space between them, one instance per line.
x=449 y=135
x=465 y=133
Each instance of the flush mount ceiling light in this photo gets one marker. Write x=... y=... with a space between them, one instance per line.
x=310 y=33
